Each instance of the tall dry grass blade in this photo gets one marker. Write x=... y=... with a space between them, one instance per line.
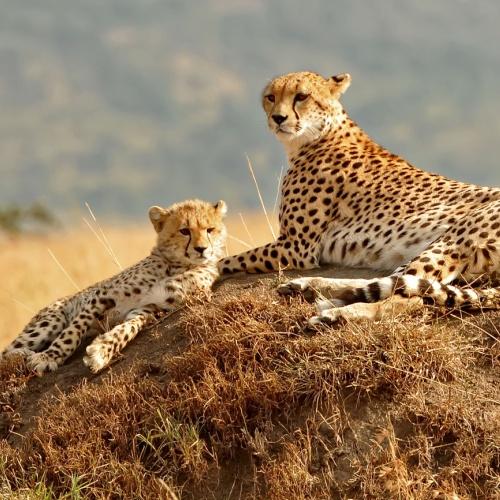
x=437 y=382
x=22 y=304
x=477 y=327
x=16 y=301
x=61 y=267
x=241 y=242
x=168 y=490
x=252 y=241
x=278 y=191
x=260 y=197
x=104 y=239
x=100 y=240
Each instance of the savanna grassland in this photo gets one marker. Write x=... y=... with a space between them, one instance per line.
x=237 y=399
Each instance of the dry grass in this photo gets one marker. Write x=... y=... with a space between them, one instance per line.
x=31 y=278
x=257 y=407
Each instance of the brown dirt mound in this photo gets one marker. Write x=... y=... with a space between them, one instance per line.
x=235 y=399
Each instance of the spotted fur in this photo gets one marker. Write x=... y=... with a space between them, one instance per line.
x=347 y=200
x=183 y=264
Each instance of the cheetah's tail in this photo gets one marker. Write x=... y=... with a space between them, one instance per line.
x=408 y=285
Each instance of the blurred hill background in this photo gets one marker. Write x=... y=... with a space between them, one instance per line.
x=128 y=103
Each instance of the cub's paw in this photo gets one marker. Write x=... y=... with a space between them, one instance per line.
x=98 y=356
x=40 y=362
x=304 y=286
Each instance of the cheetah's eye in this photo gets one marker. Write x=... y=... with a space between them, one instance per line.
x=270 y=98
x=301 y=97
x=210 y=229
x=185 y=231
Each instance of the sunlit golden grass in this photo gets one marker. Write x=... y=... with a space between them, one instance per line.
x=31 y=278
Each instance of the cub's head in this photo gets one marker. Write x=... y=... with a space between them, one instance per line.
x=300 y=107
x=191 y=231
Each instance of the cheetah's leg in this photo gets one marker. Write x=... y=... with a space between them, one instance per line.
x=190 y=284
x=177 y=290
x=327 y=314
x=279 y=255
x=327 y=288
x=39 y=332
x=107 y=345
x=66 y=343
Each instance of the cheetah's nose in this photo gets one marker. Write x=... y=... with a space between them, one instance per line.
x=279 y=119
x=200 y=250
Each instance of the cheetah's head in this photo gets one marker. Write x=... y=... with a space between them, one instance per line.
x=191 y=232
x=300 y=107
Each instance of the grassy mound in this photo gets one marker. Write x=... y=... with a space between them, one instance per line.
x=255 y=406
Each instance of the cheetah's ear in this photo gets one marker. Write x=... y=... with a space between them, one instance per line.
x=157 y=217
x=339 y=84
x=221 y=208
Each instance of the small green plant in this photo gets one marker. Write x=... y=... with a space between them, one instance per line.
x=41 y=492
x=77 y=489
x=170 y=445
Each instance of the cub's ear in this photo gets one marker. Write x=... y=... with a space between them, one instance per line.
x=339 y=84
x=221 y=208
x=157 y=216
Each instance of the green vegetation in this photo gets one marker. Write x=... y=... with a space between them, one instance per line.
x=15 y=219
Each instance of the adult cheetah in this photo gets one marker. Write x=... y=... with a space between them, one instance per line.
x=183 y=263
x=347 y=200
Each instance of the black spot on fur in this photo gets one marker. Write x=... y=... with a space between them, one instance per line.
x=107 y=303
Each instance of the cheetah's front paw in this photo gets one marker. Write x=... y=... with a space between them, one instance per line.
x=299 y=285
x=326 y=317
x=40 y=363
x=97 y=357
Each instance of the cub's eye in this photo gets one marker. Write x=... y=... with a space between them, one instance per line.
x=185 y=231
x=270 y=98
x=301 y=97
x=210 y=229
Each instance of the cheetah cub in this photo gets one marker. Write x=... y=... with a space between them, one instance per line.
x=183 y=264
